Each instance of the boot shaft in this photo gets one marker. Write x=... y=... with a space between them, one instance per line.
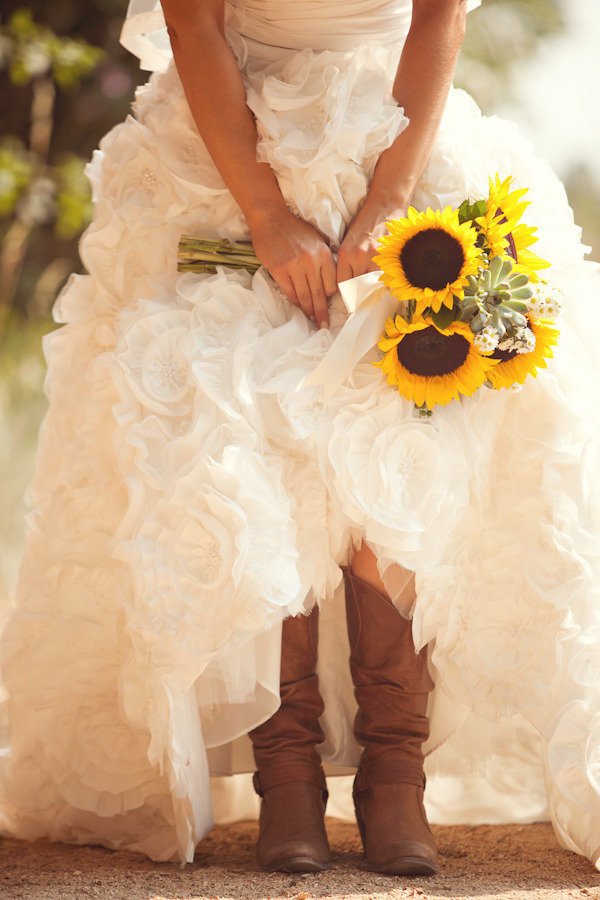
x=391 y=681
x=289 y=738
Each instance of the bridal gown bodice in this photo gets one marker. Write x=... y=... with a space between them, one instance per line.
x=321 y=24
x=267 y=27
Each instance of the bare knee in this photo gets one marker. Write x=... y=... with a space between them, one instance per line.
x=364 y=566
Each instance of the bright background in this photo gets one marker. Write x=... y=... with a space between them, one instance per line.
x=64 y=81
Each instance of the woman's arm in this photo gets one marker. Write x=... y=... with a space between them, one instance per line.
x=421 y=86
x=295 y=253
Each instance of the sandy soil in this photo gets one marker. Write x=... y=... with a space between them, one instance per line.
x=477 y=862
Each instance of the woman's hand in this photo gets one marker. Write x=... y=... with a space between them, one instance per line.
x=298 y=258
x=295 y=253
x=359 y=245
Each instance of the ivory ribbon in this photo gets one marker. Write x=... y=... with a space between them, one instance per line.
x=369 y=303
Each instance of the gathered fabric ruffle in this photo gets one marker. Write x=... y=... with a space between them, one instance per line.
x=189 y=494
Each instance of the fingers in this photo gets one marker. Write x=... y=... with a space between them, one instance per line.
x=329 y=275
x=304 y=293
x=307 y=292
x=319 y=299
x=354 y=261
x=287 y=286
x=313 y=277
x=303 y=268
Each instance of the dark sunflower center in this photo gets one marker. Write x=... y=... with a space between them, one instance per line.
x=512 y=247
x=432 y=259
x=427 y=352
x=504 y=355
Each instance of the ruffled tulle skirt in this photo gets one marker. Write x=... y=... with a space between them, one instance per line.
x=188 y=496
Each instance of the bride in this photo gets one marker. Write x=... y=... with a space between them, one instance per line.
x=198 y=520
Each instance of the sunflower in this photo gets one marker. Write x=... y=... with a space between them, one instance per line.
x=526 y=262
x=513 y=368
x=427 y=257
x=431 y=365
x=503 y=231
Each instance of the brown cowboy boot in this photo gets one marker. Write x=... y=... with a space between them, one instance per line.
x=391 y=685
x=289 y=776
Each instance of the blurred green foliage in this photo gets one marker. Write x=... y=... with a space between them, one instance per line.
x=37 y=189
x=73 y=198
x=56 y=194
x=64 y=81
x=33 y=50
x=502 y=35
x=16 y=169
x=22 y=405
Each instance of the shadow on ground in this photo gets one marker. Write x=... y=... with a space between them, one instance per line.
x=496 y=861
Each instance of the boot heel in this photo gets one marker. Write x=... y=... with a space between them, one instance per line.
x=361 y=825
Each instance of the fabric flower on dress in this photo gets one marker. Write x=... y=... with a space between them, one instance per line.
x=92 y=759
x=572 y=776
x=396 y=475
x=133 y=175
x=573 y=754
x=499 y=635
x=556 y=558
x=132 y=257
x=155 y=357
x=584 y=665
x=217 y=539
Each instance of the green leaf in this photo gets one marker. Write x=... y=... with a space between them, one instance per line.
x=444 y=316
x=523 y=293
x=518 y=281
x=516 y=305
x=468 y=212
x=464 y=212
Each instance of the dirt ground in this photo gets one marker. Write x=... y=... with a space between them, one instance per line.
x=487 y=861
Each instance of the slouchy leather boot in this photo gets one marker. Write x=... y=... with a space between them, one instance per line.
x=289 y=776
x=391 y=685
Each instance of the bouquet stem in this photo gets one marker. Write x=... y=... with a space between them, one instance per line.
x=204 y=255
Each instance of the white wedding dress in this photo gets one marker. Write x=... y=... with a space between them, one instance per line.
x=187 y=495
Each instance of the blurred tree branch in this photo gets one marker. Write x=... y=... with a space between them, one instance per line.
x=34 y=191
x=501 y=35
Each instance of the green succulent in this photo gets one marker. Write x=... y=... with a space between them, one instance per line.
x=496 y=296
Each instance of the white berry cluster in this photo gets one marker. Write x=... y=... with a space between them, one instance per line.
x=546 y=301
x=486 y=340
x=523 y=341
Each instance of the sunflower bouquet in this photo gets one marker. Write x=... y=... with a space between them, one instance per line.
x=475 y=311
x=459 y=293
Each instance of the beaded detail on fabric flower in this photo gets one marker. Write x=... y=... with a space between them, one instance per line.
x=169 y=373
x=148 y=179
x=211 y=554
x=405 y=473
